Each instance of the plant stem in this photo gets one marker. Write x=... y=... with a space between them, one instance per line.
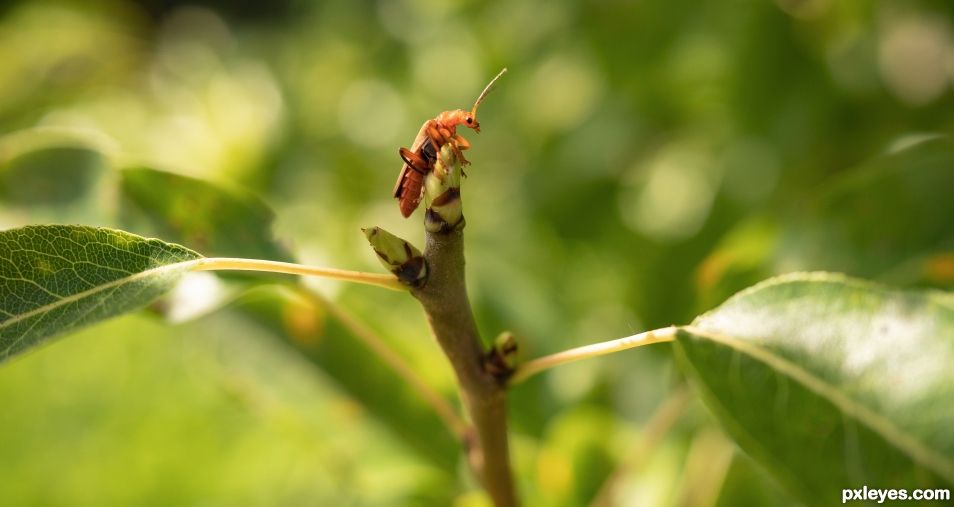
x=445 y=411
x=233 y=264
x=530 y=368
x=444 y=298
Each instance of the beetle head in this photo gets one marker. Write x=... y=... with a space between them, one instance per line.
x=470 y=120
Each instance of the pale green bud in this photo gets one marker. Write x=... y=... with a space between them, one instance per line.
x=501 y=359
x=442 y=193
x=398 y=256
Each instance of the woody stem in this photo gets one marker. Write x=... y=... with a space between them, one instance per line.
x=444 y=298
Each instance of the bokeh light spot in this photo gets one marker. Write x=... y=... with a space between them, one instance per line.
x=669 y=199
x=371 y=113
x=915 y=55
x=560 y=93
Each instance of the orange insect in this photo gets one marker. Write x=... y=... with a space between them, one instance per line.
x=420 y=158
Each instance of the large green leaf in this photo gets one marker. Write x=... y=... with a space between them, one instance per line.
x=218 y=221
x=57 y=278
x=832 y=382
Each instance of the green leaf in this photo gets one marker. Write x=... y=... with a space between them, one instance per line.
x=57 y=174
x=746 y=483
x=888 y=219
x=50 y=176
x=831 y=382
x=57 y=278
x=218 y=221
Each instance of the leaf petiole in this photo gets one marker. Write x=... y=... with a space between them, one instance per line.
x=234 y=264
x=532 y=367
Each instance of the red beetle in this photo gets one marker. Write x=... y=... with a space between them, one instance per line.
x=419 y=159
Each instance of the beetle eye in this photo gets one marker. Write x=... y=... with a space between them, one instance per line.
x=470 y=120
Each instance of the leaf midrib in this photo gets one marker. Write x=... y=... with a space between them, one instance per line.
x=94 y=290
x=910 y=446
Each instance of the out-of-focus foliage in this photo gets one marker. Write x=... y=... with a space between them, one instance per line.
x=640 y=162
x=206 y=217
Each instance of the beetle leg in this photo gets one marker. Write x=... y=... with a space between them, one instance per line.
x=458 y=144
x=457 y=154
x=414 y=160
x=436 y=137
x=462 y=143
x=441 y=136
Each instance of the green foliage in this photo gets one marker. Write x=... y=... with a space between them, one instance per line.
x=208 y=217
x=894 y=208
x=235 y=224
x=886 y=219
x=831 y=382
x=56 y=279
x=54 y=178
x=303 y=322
x=642 y=162
x=149 y=414
x=59 y=175
x=746 y=483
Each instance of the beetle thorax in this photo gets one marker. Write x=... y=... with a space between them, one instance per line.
x=451 y=119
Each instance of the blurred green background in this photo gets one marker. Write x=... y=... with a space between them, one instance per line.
x=640 y=162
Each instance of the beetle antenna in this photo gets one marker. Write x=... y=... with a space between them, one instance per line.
x=490 y=86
